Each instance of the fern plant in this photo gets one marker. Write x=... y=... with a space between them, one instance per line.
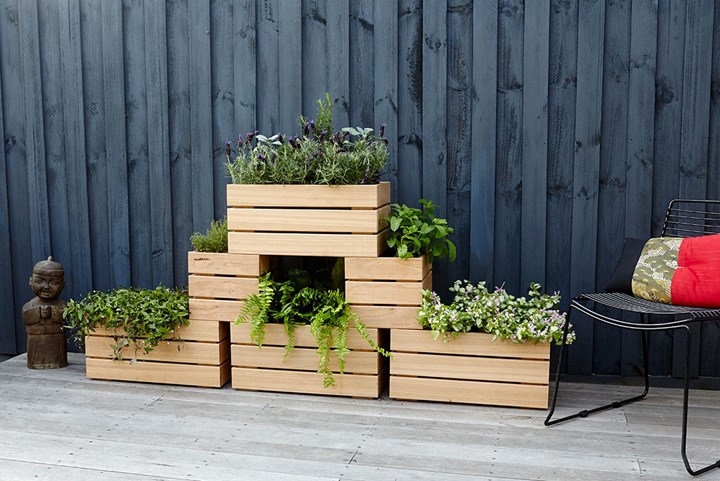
x=326 y=311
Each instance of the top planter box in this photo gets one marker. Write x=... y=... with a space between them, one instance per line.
x=308 y=220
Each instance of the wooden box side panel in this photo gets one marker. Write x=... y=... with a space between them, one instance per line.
x=220 y=263
x=388 y=317
x=469 y=392
x=275 y=336
x=386 y=268
x=197 y=330
x=367 y=221
x=158 y=372
x=353 y=385
x=384 y=293
x=311 y=196
x=471 y=344
x=214 y=310
x=294 y=244
x=214 y=287
x=470 y=368
x=302 y=359
x=170 y=351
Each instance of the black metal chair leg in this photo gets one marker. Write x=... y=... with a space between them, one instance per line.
x=683 y=447
x=615 y=404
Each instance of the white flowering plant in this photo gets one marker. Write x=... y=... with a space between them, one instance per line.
x=534 y=318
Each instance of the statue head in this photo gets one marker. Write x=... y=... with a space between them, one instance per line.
x=48 y=279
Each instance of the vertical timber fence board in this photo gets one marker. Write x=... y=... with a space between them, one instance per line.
x=268 y=66
x=314 y=71
x=364 y=34
x=245 y=62
x=459 y=131
x=158 y=143
x=200 y=93
x=536 y=61
x=588 y=114
x=7 y=307
x=118 y=207
x=337 y=58
x=290 y=70
x=508 y=169
x=483 y=143
x=385 y=82
x=73 y=112
x=410 y=92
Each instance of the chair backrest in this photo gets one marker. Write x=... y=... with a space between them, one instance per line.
x=691 y=218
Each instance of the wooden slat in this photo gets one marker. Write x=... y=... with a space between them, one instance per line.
x=393 y=293
x=202 y=331
x=212 y=354
x=310 y=196
x=388 y=317
x=200 y=105
x=302 y=359
x=362 y=74
x=472 y=392
x=115 y=135
x=470 y=368
x=214 y=310
x=328 y=245
x=268 y=74
x=469 y=344
x=337 y=59
x=290 y=65
x=308 y=220
x=275 y=336
x=385 y=100
x=7 y=308
x=355 y=385
x=386 y=268
x=158 y=372
x=591 y=37
x=222 y=287
x=245 y=65
x=227 y=264
x=314 y=69
x=536 y=55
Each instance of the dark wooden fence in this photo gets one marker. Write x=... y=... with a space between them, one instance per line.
x=547 y=130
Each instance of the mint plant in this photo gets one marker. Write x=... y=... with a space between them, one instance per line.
x=414 y=232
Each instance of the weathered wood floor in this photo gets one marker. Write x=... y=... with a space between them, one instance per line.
x=58 y=426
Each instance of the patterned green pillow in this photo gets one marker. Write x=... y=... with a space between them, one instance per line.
x=655 y=269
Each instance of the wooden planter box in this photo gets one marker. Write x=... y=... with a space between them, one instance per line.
x=386 y=292
x=469 y=369
x=265 y=369
x=308 y=220
x=202 y=358
x=224 y=276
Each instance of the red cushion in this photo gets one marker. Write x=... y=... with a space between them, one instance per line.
x=696 y=281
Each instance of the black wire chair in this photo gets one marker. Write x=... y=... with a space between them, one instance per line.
x=684 y=218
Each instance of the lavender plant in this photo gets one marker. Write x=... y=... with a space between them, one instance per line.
x=534 y=318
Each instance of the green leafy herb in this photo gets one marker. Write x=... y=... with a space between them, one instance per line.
x=214 y=240
x=474 y=308
x=414 y=232
x=326 y=311
x=318 y=156
x=144 y=317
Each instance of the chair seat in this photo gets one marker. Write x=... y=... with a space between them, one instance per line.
x=626 y=302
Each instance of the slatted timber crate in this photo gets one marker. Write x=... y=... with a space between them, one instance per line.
x=266 y=369
x=468 y=369
x=196 y=355
x=308 y=220
x=386 y=292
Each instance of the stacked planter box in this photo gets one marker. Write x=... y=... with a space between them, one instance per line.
x=306 y=220
x=469 y=369
x=267 y=369
x=386 y=292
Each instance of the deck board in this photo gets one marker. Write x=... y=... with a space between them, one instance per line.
x=57 y=425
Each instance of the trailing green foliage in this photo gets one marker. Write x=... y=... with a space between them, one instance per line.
x=319 y=156
x=474 y=308
x=293 y=303
x=414 y=232
x=147 y=316
x=214 y=240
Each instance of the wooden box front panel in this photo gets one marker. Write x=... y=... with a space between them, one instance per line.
x=169 y=351
x=159 y=372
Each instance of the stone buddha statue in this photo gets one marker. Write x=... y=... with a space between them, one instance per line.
x=43 y=317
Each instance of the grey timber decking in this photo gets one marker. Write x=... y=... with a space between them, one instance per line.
x=56 y=425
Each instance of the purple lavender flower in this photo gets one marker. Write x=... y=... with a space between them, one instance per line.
x=228 y=151
x=240 y=142
x=382 y=130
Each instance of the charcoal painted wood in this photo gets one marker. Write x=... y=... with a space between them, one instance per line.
x=547 y=131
